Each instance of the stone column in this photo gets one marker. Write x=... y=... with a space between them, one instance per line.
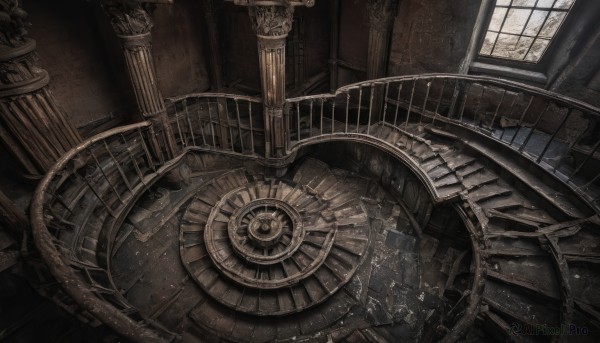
x=132 y=23
x=271 y=22
x=32 y=127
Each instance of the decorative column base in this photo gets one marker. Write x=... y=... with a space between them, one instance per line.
x=32 y=127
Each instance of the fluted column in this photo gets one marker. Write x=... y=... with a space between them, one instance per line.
x=271 y=22
x=132 y=23
x=32 y=127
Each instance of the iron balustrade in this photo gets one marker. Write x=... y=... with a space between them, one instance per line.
x=84 y=198
x=559 y=134
x=217 y=121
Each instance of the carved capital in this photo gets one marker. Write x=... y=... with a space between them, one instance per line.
x=273 y=21
x=128 y=18
x=307 y=3
x=382 y=13
x=13 y=20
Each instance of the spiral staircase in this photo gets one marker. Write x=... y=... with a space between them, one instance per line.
x=420 y=208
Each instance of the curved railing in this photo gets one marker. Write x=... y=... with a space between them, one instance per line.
x=559 y=134
x=84 y=198
x=218 y=121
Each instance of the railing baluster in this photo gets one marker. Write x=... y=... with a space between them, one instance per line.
x=333 y=116
x=181 y=136
x=370 y=108
x=152 y=135
x=510 y=112
x=455 y=96
x=187 y=115
x=521 y=120
x=385 y=106
x=105 y=176
x=165 y=143
x=239 y=123
x=228 y=125
x=133 y=160
x=359 y=108
x=251 y=128
x=425 y=102
x=439 y=101
x=398 y=103
x=298 y=120
x=562 y=123
x=587 y=158
x=146 y=151
x=96 y=193
x=497 y=109
x=212 y=129
x=118 y=165
x=533 y=128
x=310 y=118
x=412 y=95
x=322 y=115
x=464 y=103
x=347 y=111
x=476 y=112
x=200 y=126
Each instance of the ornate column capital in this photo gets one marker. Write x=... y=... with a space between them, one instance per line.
x=129 y=18
x=19 y=69
x=271 y=21
x=307 y=3
x=382 y=13
x=13 y=20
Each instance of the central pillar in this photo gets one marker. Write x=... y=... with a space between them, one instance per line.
x=272 y=25
x=271 y=22
x=132 y=23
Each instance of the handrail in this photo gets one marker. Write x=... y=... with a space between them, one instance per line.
x=64 y=274
x=214 y=95
x=232 y=123
x=555 y=132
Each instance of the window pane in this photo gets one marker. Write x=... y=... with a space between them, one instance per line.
x=497 y=19
x=545 y=3
x=525 y=3
x=488 y=43
x=564 y=4
x=535 y=23
x=523 y=29
x=512 y=46
x=552 y=24
x=515 y=21
x=537 y=50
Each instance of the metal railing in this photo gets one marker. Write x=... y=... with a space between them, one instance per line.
x=82 y=201
x=559 y=134
x=218 y=121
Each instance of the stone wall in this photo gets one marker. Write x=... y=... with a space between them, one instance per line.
x=431 y=36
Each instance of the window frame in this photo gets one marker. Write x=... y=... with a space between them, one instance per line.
x=532 y=72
